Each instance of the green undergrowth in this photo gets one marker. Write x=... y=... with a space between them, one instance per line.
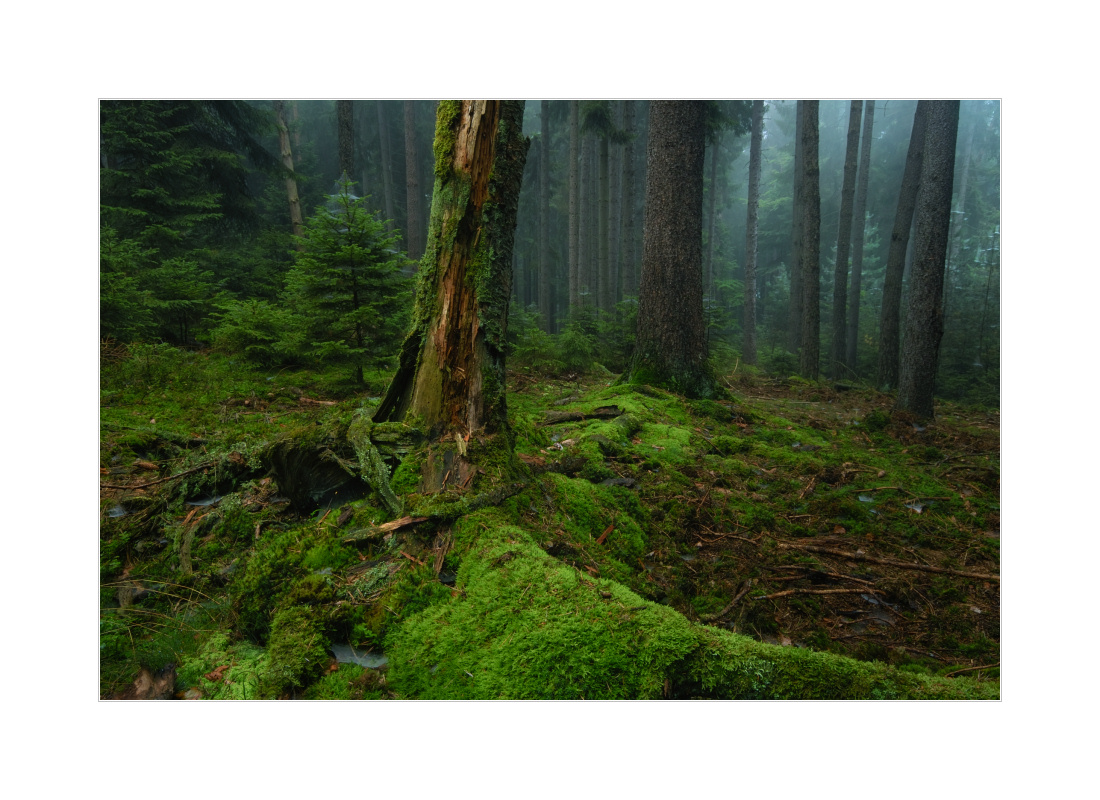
x=607 y=569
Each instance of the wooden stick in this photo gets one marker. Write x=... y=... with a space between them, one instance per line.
x=786 y=592
x=971 y=669
x=160 y=480
x=889 y=562
x=378 y=530
x=737 y=598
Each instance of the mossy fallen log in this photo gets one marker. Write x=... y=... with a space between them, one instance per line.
x=523 y=625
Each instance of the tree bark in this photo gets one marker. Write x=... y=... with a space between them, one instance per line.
x=546 y=307
x=451 y=375
x=924 y=318
x=811 y=244
x=295 y=132
x=345 y=137
x=748 y=347
x=604 y=230
x=712 y=216
x=670 y=346
x=858 y=231
x=387 y=162
x=288 y=162
x=889 y=323
x=615 y=211
x=794 y=314
x=629 y=258
x=413 y=213
x=844 y=240
x=574 y=206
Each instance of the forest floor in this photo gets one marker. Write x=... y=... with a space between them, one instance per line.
x=801 y=514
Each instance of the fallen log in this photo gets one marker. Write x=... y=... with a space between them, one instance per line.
x=603 y=412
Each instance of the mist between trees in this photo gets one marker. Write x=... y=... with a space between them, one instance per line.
x=289 y=233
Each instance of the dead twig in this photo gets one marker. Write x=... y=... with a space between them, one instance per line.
x=737 y=598
x=971 y=669
x=890 y=562
x=378 y=530
x=787 y=592
x=207 y=465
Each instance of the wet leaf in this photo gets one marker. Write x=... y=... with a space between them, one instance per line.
x=866 y=498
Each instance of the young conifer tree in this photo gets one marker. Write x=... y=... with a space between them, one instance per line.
x=347 y=287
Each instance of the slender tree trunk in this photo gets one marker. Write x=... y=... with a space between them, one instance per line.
x=748 y=347
x=574 y=206
x=412 y=186
x=794 y=315
x=386 y=155
x=843 y=241
x=959 y=217
x=546 y=308
x=451 y=377
x=345 y=137
x=295 y=131
x=858 y=231
x=811 y=245
x=889 y=324
x=712 y=215
x=615 y=211
x=924 y=319
x=670 y=348
x=604 y=233
x=629 y=259
x=589 y=223
x=288 y=162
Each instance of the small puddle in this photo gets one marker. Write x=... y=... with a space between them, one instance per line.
x=204 y=501
x=346 y=654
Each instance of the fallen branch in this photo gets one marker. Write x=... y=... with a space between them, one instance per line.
x=737 y=598
x=378 y=530
x=889 y=562
x=971 y=669
x=207 y=465
x=786 y=592
x=604 y=412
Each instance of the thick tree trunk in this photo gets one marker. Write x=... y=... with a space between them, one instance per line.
x=924 y=318
x=844 y=240
x=712 y=216
x=604 y=230
x=629 y=257
x=413 y=214
x=574 y=206
x=794 y=313
x=889 y=324
x=670 y=347
x=615 y=211
x=451 y=375
x=748 y=346
x=858 y=231
x=387 y=162
x=546 y=307
x=345 y=137
x=811 y=244
x=288 y=162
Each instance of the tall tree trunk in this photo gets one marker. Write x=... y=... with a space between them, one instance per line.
x=546 y=307
x=889 y=324
x=712 y=215
x=413 y=214
x=574 y=206
x=451 y=375
x=811 y=244
x=386 y=155
x=858 y=231
x=295 y=131
x=959 y=217
x=288 y=162
x=844 y=240
x=604 y=231
x=615 y=211
x=924 y=318
x=629 y=258
x=588 y=222
x=794 y=314
x=670 y=345
x=345 y=137
x=748 y=346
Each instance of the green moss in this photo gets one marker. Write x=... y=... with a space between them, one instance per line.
x=245 y=665
x=443 y=146
x=297 y=651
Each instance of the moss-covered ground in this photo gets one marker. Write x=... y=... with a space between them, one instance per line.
x=795 y=541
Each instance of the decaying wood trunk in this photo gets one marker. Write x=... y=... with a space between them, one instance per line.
x=450 y=380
